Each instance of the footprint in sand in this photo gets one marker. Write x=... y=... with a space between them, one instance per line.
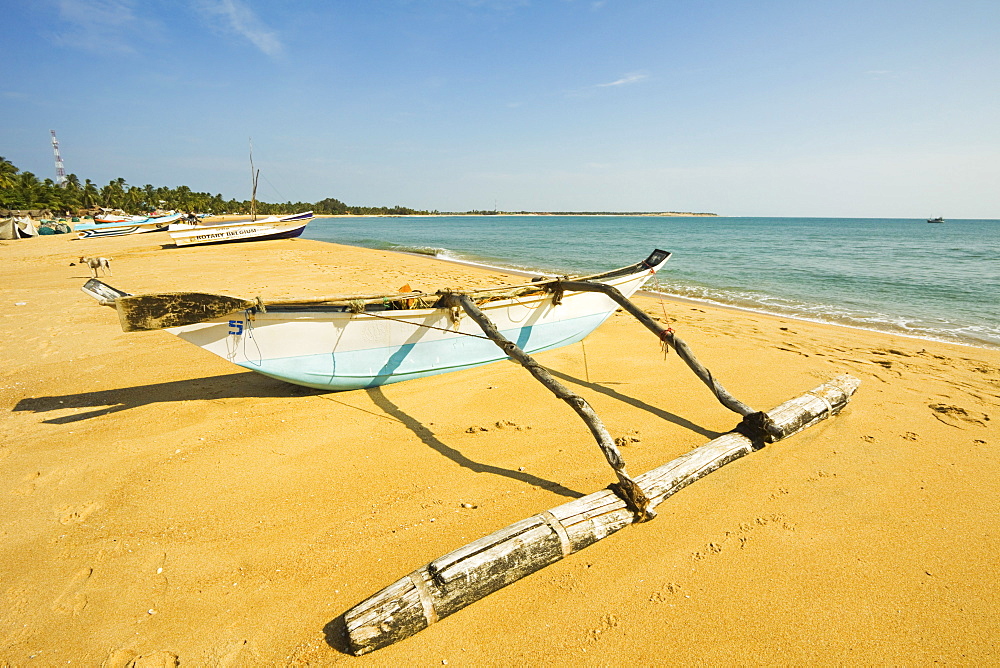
x=72 y=600
x=161 y=659
x=119 y=658
x=628 y=439
x=667 y=592
x=228 y=654
x=608 y=622
x=127 y=658
x=956 y=416
x=76 y=514
x=29 y=486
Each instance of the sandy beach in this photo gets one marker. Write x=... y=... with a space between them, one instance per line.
x=160 y=506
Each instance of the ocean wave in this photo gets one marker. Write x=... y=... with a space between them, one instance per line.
x=927 y=328
x=418 y=250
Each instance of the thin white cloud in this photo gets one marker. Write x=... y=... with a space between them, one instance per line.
x=105 y=25
x=632 y=78
x=588 y=91
x=236 y=17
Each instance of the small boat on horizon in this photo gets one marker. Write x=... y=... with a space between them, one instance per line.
x=358 y=341
x=939 y=219
x=186 y=233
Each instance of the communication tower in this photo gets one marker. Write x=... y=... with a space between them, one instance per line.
x=60 y=168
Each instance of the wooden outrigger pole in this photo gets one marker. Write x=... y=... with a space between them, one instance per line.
x=466 y=575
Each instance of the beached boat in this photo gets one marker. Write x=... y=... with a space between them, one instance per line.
x=117 y=218
x=136 y=225
x=189 y=234
x=345 y=343
x=348 y=343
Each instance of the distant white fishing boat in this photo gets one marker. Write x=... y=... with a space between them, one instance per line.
x=939 y=219
x=193 y=233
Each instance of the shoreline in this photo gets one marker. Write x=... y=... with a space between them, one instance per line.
x=163 y=505
x=693 y=300
x=888 y=305
x=665 y=214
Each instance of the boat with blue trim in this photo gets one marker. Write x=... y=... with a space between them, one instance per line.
x=134 y=225
x=358 y=341
x=192 y=233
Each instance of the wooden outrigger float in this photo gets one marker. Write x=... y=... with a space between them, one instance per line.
x=459 y=578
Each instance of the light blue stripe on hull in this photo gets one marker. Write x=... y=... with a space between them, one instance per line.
x=381 y=366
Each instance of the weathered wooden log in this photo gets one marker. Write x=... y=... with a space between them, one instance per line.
x=466 y=575
x=626 y=485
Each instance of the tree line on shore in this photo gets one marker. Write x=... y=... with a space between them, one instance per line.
x=24 y=190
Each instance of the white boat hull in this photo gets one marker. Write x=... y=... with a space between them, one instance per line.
x=339 y=350
x=190 y=234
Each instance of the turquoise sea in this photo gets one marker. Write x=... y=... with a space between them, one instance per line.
x=933 y=281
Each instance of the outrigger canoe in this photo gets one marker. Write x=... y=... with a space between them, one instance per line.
x=337 y=343
x=345 y=343
x=190 y=234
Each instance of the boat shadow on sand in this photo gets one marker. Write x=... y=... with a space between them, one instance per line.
x=666 y=416
x=432 y=441
x=241 y=385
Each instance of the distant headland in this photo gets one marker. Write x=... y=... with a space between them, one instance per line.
x=683 y=214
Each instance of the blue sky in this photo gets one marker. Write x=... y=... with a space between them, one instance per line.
x=771 y=107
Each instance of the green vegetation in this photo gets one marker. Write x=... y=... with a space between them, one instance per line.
x=331 y=206
x=24 y=190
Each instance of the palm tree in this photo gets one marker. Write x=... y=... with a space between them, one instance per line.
x=28 y=190
x=182 y=198
x=150 y=198
x=8 y=173
x=89 y=195
x=133 y=198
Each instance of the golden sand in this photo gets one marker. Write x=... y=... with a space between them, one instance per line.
x=159 y=505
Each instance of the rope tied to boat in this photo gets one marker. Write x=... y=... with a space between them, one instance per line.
x=666 y=341
x=759 y=428
x=629 y=491
x=557 y=292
